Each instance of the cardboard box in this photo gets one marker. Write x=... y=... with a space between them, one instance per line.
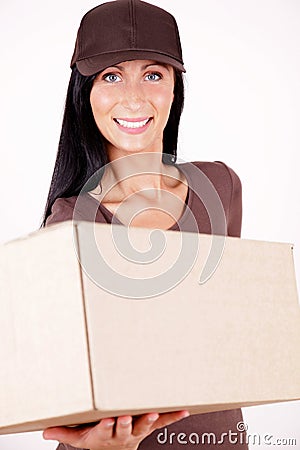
x=73 y=350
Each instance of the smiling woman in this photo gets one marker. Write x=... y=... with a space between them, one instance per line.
x=131 y=105
x=119 y=133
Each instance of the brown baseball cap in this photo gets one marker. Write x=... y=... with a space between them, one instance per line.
x=124 y=30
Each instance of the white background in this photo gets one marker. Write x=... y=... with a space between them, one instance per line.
x=242 y=107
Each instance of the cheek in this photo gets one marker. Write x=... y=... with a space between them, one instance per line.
x=163 y=100
x=99 y=105
x=101 y=102
x=94 y=105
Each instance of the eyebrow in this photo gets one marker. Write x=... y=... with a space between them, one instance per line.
x=122 y=68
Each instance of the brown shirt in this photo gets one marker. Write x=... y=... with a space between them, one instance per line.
x=214 y=194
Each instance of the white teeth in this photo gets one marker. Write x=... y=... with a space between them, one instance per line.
x=126 y=124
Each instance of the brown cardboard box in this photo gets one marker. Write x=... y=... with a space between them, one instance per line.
x=76 y=347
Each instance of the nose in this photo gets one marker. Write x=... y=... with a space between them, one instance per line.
x=133 y=97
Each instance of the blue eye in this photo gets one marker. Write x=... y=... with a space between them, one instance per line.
x=154 y=76
x=111 y=77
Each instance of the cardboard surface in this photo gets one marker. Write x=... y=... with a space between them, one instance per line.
x=73 y=352
x=45 y=368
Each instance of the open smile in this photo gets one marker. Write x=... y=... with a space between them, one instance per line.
x=133 y=125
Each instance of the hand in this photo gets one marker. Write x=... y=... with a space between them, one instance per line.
x=126 y=435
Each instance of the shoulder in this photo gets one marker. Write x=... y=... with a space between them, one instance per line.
x=61 y=210
x=223 y=177
x=229 y=188
x=218 y=170
x=81 y=207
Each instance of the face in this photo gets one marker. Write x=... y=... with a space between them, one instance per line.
x=131 y=104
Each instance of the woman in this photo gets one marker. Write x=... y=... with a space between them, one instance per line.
x=119 y=133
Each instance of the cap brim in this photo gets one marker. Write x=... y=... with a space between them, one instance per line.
x=90 y=66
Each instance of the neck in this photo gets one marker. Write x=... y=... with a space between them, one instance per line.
x=137 y=172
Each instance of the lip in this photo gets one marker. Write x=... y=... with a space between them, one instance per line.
x=137 y=119
x=134 y=130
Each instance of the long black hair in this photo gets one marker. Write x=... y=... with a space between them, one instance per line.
x=81 y=149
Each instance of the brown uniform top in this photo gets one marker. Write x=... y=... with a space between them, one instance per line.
x=205 y=179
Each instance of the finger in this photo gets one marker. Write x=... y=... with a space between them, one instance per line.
x=104 y=430
x=123 y=427
x=76 y=435
x=144 y=424
x=62 y=434
x=168 y=418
